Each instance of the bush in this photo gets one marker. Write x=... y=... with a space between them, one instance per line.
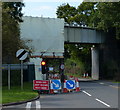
x=74 y=67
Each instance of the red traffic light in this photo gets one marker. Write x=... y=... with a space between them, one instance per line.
x=43 y=63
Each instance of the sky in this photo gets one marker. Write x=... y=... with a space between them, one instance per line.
x=46 y=8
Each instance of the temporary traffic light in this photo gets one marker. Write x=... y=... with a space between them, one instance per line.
x=43 y=65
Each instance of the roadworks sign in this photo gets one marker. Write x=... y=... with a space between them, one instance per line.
x=70 y=84
x=56 y=84
x=40 y=85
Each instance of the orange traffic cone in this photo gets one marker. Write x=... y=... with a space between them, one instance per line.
x=77 y=85
x=64 y=87
x=51 y=88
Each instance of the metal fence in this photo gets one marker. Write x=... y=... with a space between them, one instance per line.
x=14 y=66
x=16 y=74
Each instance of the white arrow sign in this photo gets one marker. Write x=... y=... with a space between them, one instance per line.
x=71 y=85
x=57 y=85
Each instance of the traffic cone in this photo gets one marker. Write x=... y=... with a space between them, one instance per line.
x=77 y=85
x=64 y=87
x=84 y=75
x=51 y=88
x=87 y=75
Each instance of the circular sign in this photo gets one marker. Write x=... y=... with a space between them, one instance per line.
x=70 y=84
x=62 y=66
x=56 y=84
x=21 y=54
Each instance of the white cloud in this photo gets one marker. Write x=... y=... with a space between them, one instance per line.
x=44 y=8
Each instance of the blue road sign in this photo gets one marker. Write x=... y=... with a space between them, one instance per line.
x=56 y=84
x=70 y=84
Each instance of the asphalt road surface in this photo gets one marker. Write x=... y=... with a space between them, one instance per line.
x=95 y=94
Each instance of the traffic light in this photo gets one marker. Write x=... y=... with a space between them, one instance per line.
x=43 y=65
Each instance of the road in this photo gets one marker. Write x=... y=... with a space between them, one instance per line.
x=95 y=94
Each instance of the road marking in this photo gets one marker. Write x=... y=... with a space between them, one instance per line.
x=87 y=93
x=114 y=86
x=28 y=106
x=38 y=106
x=102 y=102
x=101 y=83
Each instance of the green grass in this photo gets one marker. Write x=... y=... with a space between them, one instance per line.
x=15 y=94
x=115 y=81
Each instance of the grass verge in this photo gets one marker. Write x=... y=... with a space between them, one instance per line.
x=15 y=94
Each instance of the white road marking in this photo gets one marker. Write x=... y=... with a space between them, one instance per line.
x=101 y=83
x=87 y=93
x=28 y=106
x=38 y=106
x=102 y=102
x=114 y=86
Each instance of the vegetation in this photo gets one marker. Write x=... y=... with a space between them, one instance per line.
x=73 y=68
x=15 y=94
x=11 y=41
x=101 y=16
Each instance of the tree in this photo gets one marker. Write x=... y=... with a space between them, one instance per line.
x=11 y=42
x=107 y=17
x=14 y=10
x=67 y=12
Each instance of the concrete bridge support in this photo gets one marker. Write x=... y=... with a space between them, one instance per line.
x=95 y=63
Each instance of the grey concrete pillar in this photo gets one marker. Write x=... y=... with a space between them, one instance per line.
x=95 y=63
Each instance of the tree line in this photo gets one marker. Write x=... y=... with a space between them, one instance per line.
x=11 y=41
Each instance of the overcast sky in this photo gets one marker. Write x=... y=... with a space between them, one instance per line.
x=46 y=8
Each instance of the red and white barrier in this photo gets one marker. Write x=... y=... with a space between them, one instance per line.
x=51 y=88
x=64 y=87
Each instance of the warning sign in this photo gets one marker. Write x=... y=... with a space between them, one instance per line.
x=40 y=84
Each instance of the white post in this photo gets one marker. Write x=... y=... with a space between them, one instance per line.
x=95 y=63
x=9 y=76
x=21 y=75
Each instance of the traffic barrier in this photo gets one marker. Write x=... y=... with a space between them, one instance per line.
x=64 y=87
x=77 y=85
x=51 y=88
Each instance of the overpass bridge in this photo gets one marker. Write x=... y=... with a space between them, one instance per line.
x=46 y=36
x=84 y=35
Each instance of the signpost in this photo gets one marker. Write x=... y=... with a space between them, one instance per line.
x=21 y=55
x=40 y=85
x=70 y=84
x=9 y=77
